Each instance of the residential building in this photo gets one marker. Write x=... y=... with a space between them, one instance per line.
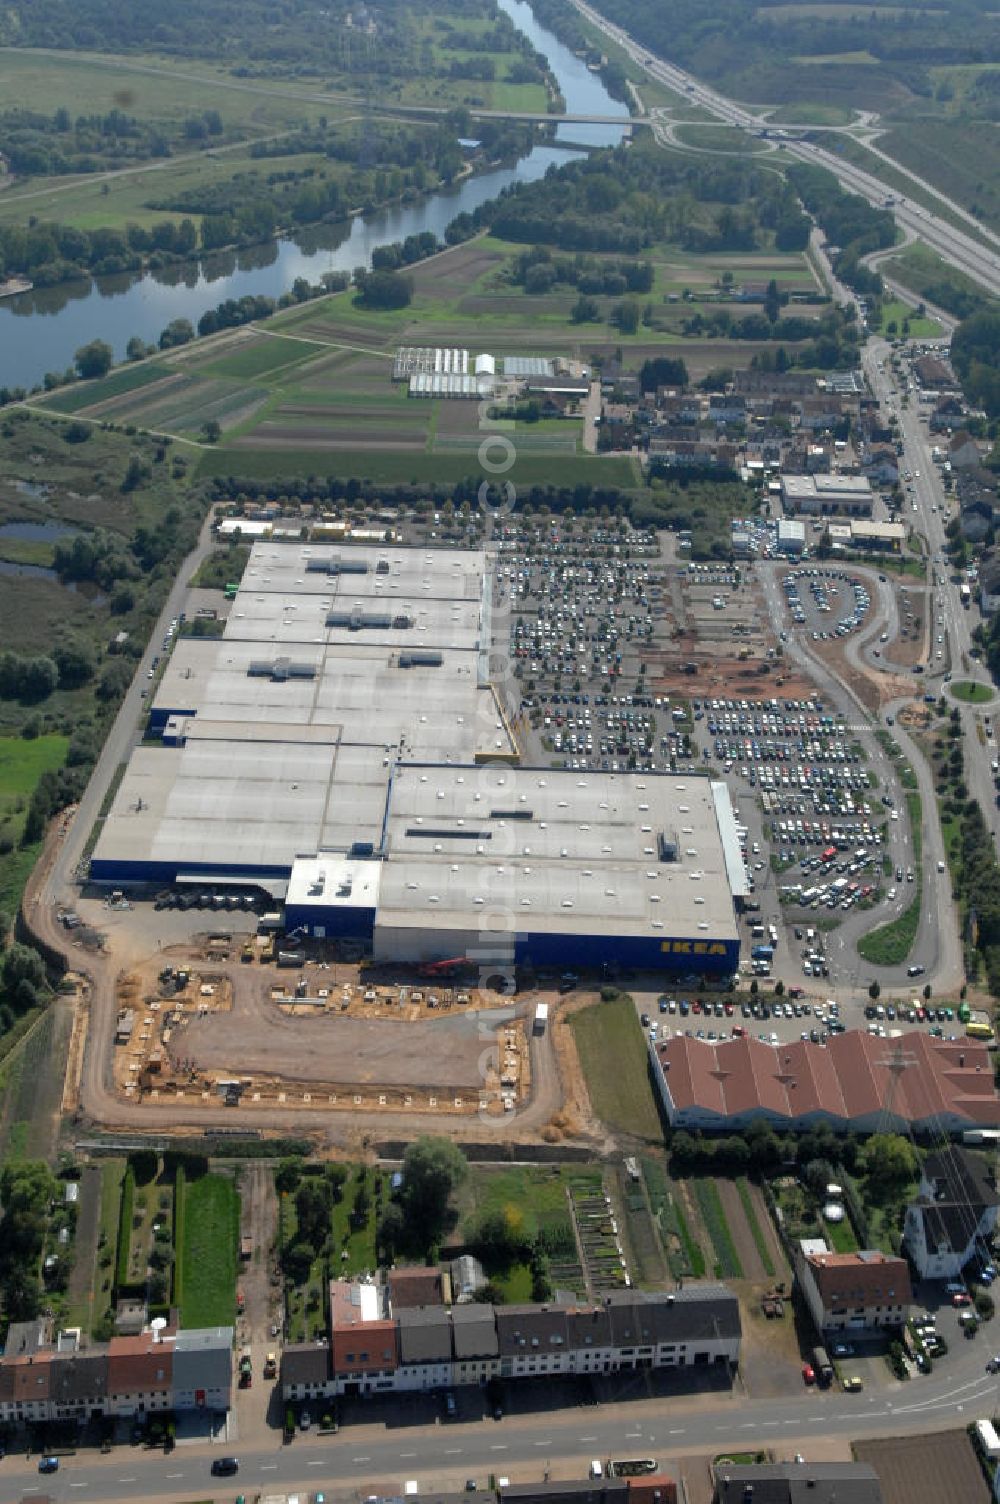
x=417 y=1286
x=435 y=1347
x=425 y=1348
x=989 y=583
x=796 y=1483
x=136 y=1375
x=933 y=373
x=954 y=1215
x=963 y=451
x=976 y=518
x=854 y=1292
x=140 y=1374
x=203 y=1365
x=305 y=1371
x=850 y=1083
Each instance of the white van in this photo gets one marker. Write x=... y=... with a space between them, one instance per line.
x=596 y=1468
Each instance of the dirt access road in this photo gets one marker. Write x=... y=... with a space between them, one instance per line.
x=257 y=1409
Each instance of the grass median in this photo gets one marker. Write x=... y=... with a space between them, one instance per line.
x=890 y=944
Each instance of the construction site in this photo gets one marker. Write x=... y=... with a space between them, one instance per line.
x=337 y=1036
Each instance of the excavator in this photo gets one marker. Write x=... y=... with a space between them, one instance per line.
x=443 y=969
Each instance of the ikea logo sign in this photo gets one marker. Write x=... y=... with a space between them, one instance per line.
x=693 y=948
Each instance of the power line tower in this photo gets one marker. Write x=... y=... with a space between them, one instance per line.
x=896 y=1063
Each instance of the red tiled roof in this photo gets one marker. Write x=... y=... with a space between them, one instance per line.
x=138 y=1365
x=860 y=1279
x=32 y=1377
x=852 y=1076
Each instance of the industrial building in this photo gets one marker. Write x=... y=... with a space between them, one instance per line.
x=791 y=538
x=827 y=495
x=854 y=1082
x=343 y=746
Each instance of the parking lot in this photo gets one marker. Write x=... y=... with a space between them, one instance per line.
x=830 y=603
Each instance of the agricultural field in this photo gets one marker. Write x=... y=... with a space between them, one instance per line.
x=612 y=1051
x=310 y=391
x=207 y=1230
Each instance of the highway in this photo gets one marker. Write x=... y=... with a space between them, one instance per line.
x=958 y=248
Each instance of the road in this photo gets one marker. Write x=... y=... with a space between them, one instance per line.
x=958 y=248
x=378 y=1458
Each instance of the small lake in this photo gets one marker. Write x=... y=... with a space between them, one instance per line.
x=40 y=330
x=38 y=532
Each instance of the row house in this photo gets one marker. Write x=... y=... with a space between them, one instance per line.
x=774 y=383
x=128 y=1376
x=816 y=414
x=422 y=1348
x=692 y=454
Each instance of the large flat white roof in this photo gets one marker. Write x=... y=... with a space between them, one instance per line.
x=557 y=851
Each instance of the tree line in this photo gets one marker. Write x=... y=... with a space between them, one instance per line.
x=40 y=145
x=625 y=200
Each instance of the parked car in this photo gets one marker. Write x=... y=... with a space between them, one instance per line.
x=853 y=1385
x=963 y=1299
x=808 y=1373
x=843 y=1350
x=48 y=1464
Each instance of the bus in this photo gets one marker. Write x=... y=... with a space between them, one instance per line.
x=980 y=1031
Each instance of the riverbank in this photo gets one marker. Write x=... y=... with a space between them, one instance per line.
x=14 y=286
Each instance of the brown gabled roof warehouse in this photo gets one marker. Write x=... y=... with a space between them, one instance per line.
x=855 y=1080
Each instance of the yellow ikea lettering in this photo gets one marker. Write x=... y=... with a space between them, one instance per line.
x=692 y=947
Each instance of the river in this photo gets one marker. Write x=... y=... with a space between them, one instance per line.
x=40 y=330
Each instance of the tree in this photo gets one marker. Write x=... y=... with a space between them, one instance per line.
x=211 y=431
x=93 y=360
x=500 y=1237
x=74 y=660
x=390 y=1234
x=313 y=1210
x=383 y=289
x=890 y=1162
x=874 y=991
x=772 y=302
x=177 y=332
x=432 y=1169
x=136 y=349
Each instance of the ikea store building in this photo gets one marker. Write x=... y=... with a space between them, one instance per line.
x=343 y=746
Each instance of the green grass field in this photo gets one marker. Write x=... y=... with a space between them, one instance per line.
x=927 y=274
x=918 y=326
x=22 y=763
x=211 y=1220
x=971 y=692
x=612 y=1051
x=537 y=1193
